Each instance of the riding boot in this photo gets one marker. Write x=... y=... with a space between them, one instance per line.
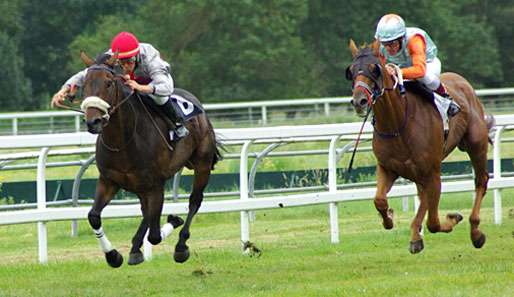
x=453 y=107
x=180 y=128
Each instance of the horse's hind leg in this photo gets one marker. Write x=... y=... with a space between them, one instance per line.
x=136 y=256
x=202 y=172
x=105 y=191
x=477 y=152
x=385 y=180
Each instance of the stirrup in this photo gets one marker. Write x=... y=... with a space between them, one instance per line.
x=181 y=131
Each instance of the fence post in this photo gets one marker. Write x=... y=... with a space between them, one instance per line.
x=332 y=188
x=264 y=115
x=497 y=172
x=243 y=192
x=41 y=205
x=77 y=123
x=327 y=109
x=15 y=126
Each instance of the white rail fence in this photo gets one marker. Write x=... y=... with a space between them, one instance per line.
x=247 y=137
x=257 y=111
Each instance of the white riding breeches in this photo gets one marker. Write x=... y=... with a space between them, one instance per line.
x=431 y=78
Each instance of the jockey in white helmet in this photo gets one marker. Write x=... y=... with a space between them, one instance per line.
x=414 y=51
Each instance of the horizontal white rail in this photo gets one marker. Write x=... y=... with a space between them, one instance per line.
x=247 y=137
x=124 y=211
x=243 y=105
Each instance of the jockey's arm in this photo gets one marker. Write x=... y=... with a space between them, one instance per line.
x=417 y=49
x=76 y=80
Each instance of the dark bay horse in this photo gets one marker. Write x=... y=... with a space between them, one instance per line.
x=409 y=141
x=134 y=152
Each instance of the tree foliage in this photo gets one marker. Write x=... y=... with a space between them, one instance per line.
x=243 y=49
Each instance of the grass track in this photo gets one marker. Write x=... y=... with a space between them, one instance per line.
x=297 y=258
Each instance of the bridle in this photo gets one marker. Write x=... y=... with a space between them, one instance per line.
x=106 y=108
x=109 y=111
x=361 y=67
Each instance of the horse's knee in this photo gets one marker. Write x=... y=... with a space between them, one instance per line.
x=94 y=219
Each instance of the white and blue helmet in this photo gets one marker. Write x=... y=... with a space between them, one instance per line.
x=390 y=27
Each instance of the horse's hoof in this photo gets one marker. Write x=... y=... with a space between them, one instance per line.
x=416 y=246
x=114 y=259
x=479 y=242
x=175 y=221
x=454 y=216
x=181 y=256
x=136 y=258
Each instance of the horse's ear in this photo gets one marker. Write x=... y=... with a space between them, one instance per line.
x=375 y=47
x=86 y=59
x=112 y=60
x=353 y=48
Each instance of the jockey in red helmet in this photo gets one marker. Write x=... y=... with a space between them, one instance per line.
x=144 y=72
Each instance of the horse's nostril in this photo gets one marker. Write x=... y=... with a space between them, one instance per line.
x=93 y=122
x=351 y=102
x=363 y=101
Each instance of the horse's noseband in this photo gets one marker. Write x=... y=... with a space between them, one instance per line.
x=362 y=66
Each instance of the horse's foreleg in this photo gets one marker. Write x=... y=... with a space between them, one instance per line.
x=105 y=191
x=432 y=191
x=202 y=173
x=416 y=241
x=385 y=180
x=152 y=214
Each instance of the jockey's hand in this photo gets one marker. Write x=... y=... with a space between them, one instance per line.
x=134 y=85
x=59 y=97
x=390 y=70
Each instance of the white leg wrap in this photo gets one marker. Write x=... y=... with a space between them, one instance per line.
x=166 y=230
x=105 y=244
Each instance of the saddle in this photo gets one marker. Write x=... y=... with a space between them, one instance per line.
x=441 y=107
x=420 y=89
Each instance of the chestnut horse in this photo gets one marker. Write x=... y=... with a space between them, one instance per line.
x=134 y=152
x=409 y=141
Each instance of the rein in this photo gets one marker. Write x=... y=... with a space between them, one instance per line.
x=111 y=112
x=361 y=66
x=154 y=123
x=357 y=144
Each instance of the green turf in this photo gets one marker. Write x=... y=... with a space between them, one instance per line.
x=297 y=258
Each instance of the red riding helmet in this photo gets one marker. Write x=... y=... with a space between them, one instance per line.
x=126 y=44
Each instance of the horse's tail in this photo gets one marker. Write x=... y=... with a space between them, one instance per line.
x=218 y=156
x=491 y=123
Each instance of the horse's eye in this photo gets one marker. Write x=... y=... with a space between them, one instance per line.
x=109 y=83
